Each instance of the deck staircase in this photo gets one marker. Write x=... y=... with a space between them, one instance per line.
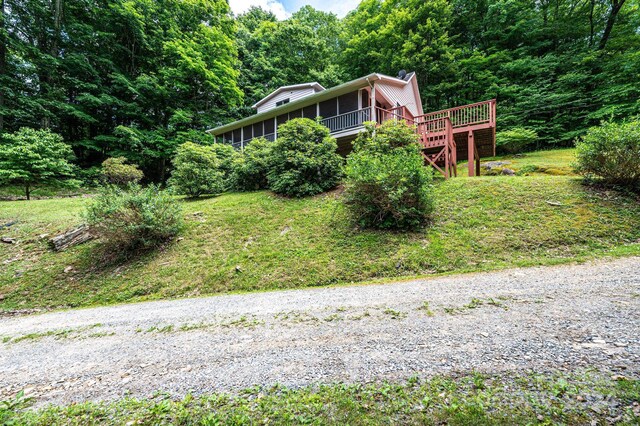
x=462 y=133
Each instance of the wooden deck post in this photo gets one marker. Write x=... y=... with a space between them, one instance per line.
x=471 y=154
x=373 y=103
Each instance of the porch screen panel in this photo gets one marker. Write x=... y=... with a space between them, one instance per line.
x=228 y=137
x=237 y=135
x=282 y=119
x=310 y=112
x=348 y=102
x=295 y=114
x=247 y=132
x=365 y=98
x=269 y=127
x=257 y=130
x=328 y=108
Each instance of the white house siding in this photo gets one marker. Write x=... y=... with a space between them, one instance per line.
x=292 y=95
x=403 y=95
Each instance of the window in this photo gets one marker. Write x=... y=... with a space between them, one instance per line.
x=282 y=102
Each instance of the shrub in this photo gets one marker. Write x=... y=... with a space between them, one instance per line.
x=226 y=156
x=388 y=185
x=611 y=152
x=197 y=170
x=515 y=140
x=303 y=159
x=388 y=136
x=134 y=218
x=32 y=157
x=250 y=167
x=115 y=171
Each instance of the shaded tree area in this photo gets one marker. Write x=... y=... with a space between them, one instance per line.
x=137 y=78
x=124 y=77
x=556 y=67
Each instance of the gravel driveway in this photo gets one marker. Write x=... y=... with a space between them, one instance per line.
x=565 y=317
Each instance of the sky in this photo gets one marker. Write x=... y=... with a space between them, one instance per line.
x=284 y=8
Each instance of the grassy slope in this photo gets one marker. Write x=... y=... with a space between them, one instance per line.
x=471 y=400
x=257 y=241
x=556 y=162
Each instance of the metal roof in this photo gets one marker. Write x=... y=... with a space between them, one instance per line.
x=315 y=85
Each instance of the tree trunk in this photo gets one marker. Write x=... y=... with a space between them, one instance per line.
x=591 y=23
x=3 y=62
x=616 y=5
x=27 y=191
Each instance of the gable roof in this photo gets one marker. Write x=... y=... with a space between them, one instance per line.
x=319 y=97
x=314 y=85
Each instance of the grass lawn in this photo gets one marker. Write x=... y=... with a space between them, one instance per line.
x=469 y=400
x=258 y=241
x=556 y=162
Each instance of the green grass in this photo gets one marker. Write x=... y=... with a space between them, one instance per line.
x=474 y=399
x=258 y=241
x=16 y=192
x=556 y=162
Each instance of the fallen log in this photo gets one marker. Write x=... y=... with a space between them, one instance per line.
x=71 y=238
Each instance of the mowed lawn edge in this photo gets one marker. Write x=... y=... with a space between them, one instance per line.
x=257 y=241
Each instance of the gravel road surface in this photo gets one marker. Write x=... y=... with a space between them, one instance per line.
x=542 y=319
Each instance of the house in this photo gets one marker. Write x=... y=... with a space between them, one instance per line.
x=446 y=136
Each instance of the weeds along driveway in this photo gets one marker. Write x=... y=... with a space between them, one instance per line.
x=552 y=318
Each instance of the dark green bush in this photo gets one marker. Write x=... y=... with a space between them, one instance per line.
x=515 y=140
x=250 y=167
x=303 y=159
x=226 y=156
x=115 y=171
x=387 y=183
x=134 y=218
x=385 y=138
x=197 y=170
x=611 y=152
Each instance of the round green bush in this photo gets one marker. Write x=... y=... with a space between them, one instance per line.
x=197 y=170
x=115 y=171
x=611 y=152
x=250 y=167
x=127 y=219
x=515 y=140
x=387 y=183
x=227 y=156
x=303 y=159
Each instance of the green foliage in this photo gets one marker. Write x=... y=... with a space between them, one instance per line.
x=226 y=155
x=611 y=152
x=303 y=159
x=385 y=138
x=250 y=168
x=84 y=68
x=515 y=140
x=388 y=185
x=134 y=218
x=197 y=170
x=115 y=171
x=31 y=157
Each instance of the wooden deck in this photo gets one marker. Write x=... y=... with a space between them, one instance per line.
x=454 y=134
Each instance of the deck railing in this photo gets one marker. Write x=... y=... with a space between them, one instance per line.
x=348 y=120
x=467 y=115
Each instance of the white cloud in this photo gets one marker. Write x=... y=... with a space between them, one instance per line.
x=339 y=7
x=240 y=6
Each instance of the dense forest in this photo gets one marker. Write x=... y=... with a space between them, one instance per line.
x=139 y=77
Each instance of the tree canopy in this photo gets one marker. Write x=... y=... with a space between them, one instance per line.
x=137 y=78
